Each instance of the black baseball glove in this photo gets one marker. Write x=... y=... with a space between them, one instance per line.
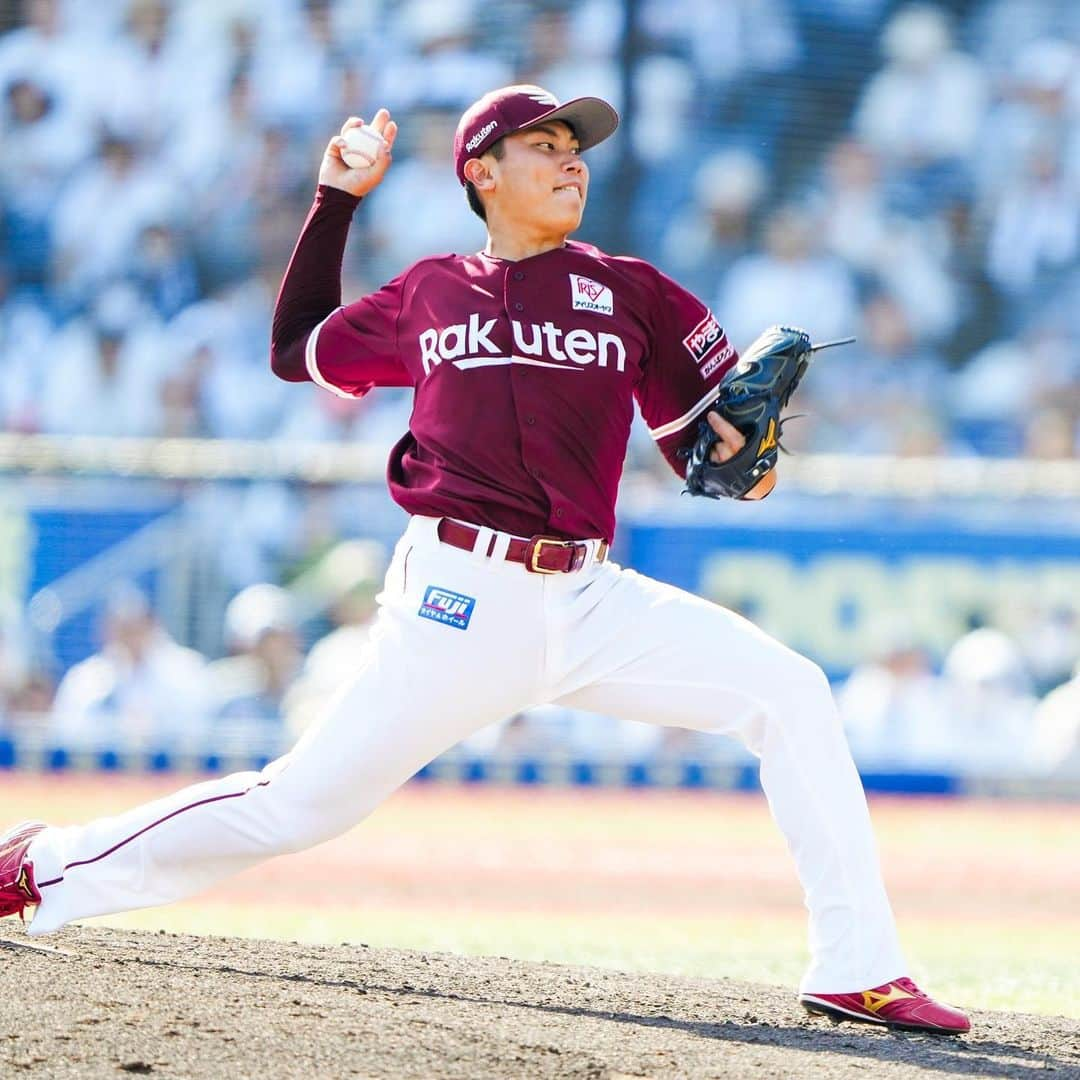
x=750 y=397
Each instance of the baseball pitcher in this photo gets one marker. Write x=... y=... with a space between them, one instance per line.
x=525 y=359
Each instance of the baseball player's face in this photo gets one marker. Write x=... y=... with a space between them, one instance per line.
x=541 y=180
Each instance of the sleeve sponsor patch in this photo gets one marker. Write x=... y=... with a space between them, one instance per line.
x=718 y=359
x=704 y=338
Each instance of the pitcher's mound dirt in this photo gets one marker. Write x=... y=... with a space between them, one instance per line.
x=105 y=1003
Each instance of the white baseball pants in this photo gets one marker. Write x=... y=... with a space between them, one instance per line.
x=603 y=639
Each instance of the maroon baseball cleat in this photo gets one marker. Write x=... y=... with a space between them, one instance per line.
x=899 y=1004
x=17 y=888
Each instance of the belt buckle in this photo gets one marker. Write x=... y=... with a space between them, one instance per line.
x=538 y=543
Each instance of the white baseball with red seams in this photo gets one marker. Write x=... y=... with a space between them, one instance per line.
x=362 y=145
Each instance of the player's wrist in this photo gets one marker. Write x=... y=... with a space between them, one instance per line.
x=330 y=194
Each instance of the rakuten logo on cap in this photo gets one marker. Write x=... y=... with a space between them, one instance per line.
x=481 y=135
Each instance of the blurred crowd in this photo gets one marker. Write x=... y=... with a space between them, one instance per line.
x=285 y=651
x=997 y=705
x=907 y=172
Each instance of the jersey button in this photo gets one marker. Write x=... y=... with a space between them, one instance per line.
x=519 y=307
x=559 y=512
x=518 y=275
x=530 y=420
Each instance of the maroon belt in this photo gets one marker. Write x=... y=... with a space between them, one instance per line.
x=539 y=555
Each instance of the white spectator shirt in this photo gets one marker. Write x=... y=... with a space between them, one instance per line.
x=401 y=235
x=898 y=722
x=99 y=216
x=816 y=293
x=38 y=158
x=1036 y=227
x=933 y=114
x=448 y=77
x=729 y=39
x=107 y=699
x=25 y=330
x=80 y=399
x=1056 y=743
x=62 y=63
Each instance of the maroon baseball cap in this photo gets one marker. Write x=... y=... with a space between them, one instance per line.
x=514 y=108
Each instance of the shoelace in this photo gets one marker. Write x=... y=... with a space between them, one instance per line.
x=906 y=984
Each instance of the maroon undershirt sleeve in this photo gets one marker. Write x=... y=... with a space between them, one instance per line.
x=311 y=288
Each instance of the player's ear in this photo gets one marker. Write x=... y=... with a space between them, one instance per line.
x=479 y=174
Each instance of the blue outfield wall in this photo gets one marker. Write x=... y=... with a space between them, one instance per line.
x=41 y=543
x=464 y=770
x=684 y=775
x=821 y=577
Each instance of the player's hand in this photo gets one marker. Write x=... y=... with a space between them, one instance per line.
x=335 y=173
x=730 y=441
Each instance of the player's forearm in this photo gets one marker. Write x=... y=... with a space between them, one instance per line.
x=676 y=449
x=311 y=288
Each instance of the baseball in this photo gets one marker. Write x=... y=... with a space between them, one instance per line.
x=361 y=146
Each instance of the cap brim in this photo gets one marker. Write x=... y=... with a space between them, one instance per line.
x=592 y=119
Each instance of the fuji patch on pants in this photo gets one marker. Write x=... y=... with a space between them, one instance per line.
x=447 y=607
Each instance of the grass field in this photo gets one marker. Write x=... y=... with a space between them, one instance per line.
x=987 y=894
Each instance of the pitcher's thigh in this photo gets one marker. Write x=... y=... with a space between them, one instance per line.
x=669 y=657
x=413 y=697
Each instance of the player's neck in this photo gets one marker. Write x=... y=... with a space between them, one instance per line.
x=515 y=244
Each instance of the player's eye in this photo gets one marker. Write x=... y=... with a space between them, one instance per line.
x=544 y=144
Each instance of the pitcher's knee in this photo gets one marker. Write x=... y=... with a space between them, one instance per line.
x=304 y=826
x=802 y=685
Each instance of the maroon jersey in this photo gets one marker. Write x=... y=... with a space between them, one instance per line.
x=525 y=373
